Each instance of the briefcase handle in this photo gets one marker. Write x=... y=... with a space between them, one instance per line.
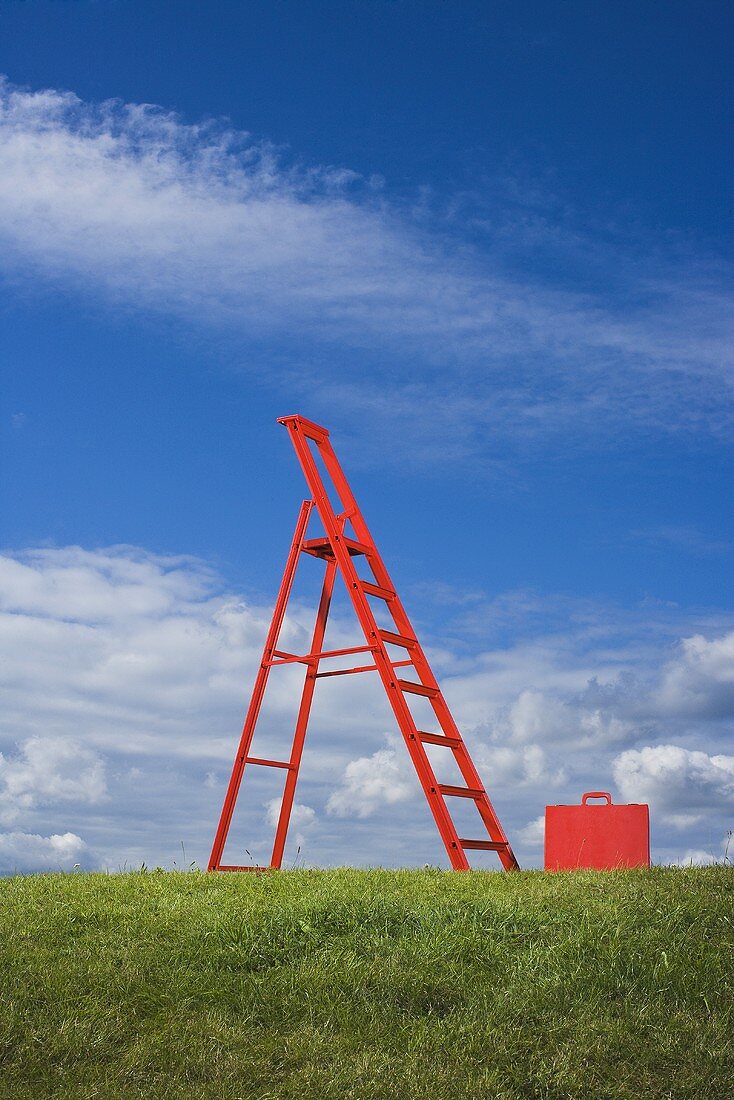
x=596 y=794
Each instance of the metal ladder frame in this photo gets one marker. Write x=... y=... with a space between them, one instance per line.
x=337 y=550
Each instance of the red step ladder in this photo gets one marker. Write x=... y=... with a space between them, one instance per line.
x=337 y=550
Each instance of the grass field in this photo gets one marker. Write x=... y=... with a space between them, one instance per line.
x=366 y=984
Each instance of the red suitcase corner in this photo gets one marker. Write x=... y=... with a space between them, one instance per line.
x=597 y=836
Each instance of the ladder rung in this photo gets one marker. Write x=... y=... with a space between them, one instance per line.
x=375 y=590
x=398 y=639
x=232 y=867
x=461 y=792
x=268 y=763
x=321 y=548
x=484 y=845
x=439 y=739
x=418 y=689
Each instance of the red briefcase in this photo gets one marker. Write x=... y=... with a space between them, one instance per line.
x=599 y=837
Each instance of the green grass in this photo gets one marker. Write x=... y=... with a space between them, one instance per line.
x=407 y=985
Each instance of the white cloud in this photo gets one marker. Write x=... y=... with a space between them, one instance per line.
x=371 y=782
x=23 y=853
x=302 y=821
x=696 y=857
x=681 y=785
x=302 y=816
x=49 y=769
x=533 y=834
x=129 y=672
x=126 y=674
x=511 y=767
x=84 y=586
x=700 y=680
x=126 y=646
x=537 y=715
x=204 y=222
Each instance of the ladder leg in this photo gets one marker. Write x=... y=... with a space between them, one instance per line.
x=261 y=680
x=304 y=710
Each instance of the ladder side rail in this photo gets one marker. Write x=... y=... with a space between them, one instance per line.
x=466 y=765
x=394 y=692
x=417 y=655
x=382 y=576
x=304 y=711
x=359 y=524
x=461 y=753
x=354 y=513
x=400 y=616
x=471 y=776
x=261 y=680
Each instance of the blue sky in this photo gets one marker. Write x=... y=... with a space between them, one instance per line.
x=490 y=247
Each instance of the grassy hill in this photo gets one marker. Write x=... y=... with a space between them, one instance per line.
x=410 y=985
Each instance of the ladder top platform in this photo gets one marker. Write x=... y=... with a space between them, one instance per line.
x=322 y=548
x=308 y=427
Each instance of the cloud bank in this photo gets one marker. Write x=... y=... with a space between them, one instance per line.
x=202 y=222
x=49 y=770
x=684 y=786
x=26 y=852
x=127 y=674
